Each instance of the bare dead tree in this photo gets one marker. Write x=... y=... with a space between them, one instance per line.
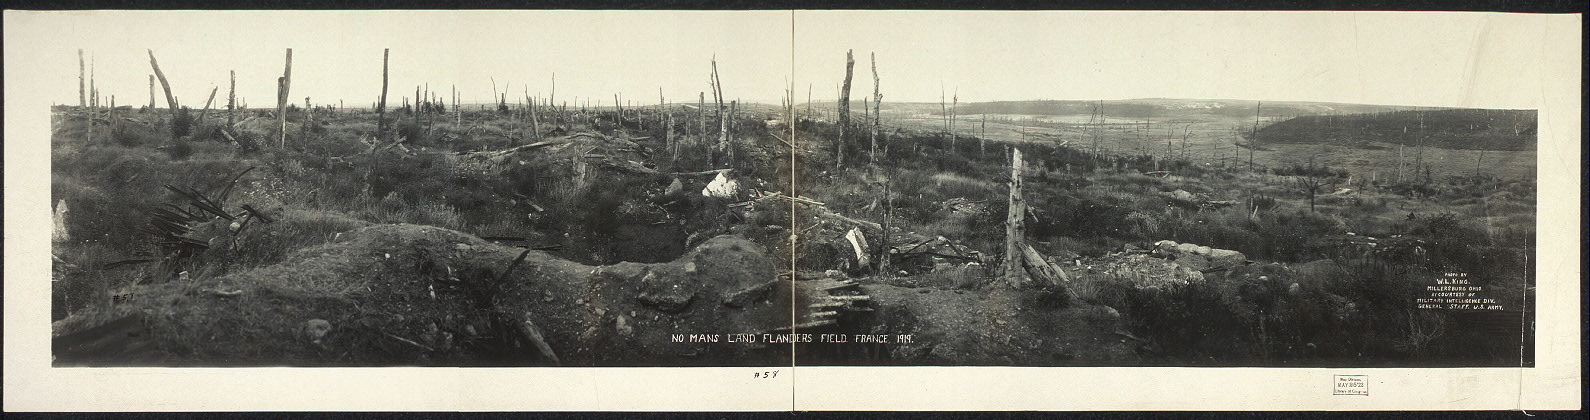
x=171 y=101
x=380 y=107
x=877 y=104
x=955 y=102
x=723 y=122
x=982 y=137
x=1253 y=143
x=844 y=111
x=93 y=92
x=1014 y=223
x=82 y=95
x=231 y=100
x=151 y=92
x=284 y=85
x=207 y=103
x=1314 y=179
x=309 y=117
x=535 y=121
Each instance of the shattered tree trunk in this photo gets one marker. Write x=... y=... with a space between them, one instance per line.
x=844 y=111
x=535 y=121
x=955 y=101
x=723 y=121
x=165 y=85
x=231 y=101
x=309 y=117
x=877 y=120
x=1013 y=224
x=1253 y=144
x=380 y=108
x=207 y=103
x=151 y=92
x=284 y=84
x=82 y=95
x=982 y=139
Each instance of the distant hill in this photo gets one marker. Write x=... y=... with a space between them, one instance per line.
x=1166 y=108
x=1472 y=129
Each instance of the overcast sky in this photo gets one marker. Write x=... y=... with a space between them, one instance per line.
x=1434 y=59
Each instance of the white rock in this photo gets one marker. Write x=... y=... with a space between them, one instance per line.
x=721 y=187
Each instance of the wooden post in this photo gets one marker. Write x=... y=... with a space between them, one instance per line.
x=844 y=111
x=284 y=85
x=1014 y=229
x=231 y=100
x=380 y=108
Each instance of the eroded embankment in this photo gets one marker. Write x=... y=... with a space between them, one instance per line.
x=420 y=295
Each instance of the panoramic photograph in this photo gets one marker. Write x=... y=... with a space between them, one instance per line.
x=783 y=189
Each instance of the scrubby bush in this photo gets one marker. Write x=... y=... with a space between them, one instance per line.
x=182 y=123
x=179 y=150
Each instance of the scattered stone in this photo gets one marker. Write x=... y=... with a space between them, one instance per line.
x=670 y=301
x=315 y=329
x=833 y=274
x=745 y=297
x=600 y=312
x=674 y=187
x=623 y=327
x=579 y=301
x=721 y=187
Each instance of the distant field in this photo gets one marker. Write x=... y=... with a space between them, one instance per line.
x=1214 y=138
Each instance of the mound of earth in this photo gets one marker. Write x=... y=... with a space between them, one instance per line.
x=995 y=327
x=420 y=295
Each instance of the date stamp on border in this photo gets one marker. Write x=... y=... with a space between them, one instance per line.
x=1351 y=385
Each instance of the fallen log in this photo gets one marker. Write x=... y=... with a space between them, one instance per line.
x=529 y=330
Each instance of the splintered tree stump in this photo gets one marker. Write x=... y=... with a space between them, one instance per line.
x=1013 y=223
